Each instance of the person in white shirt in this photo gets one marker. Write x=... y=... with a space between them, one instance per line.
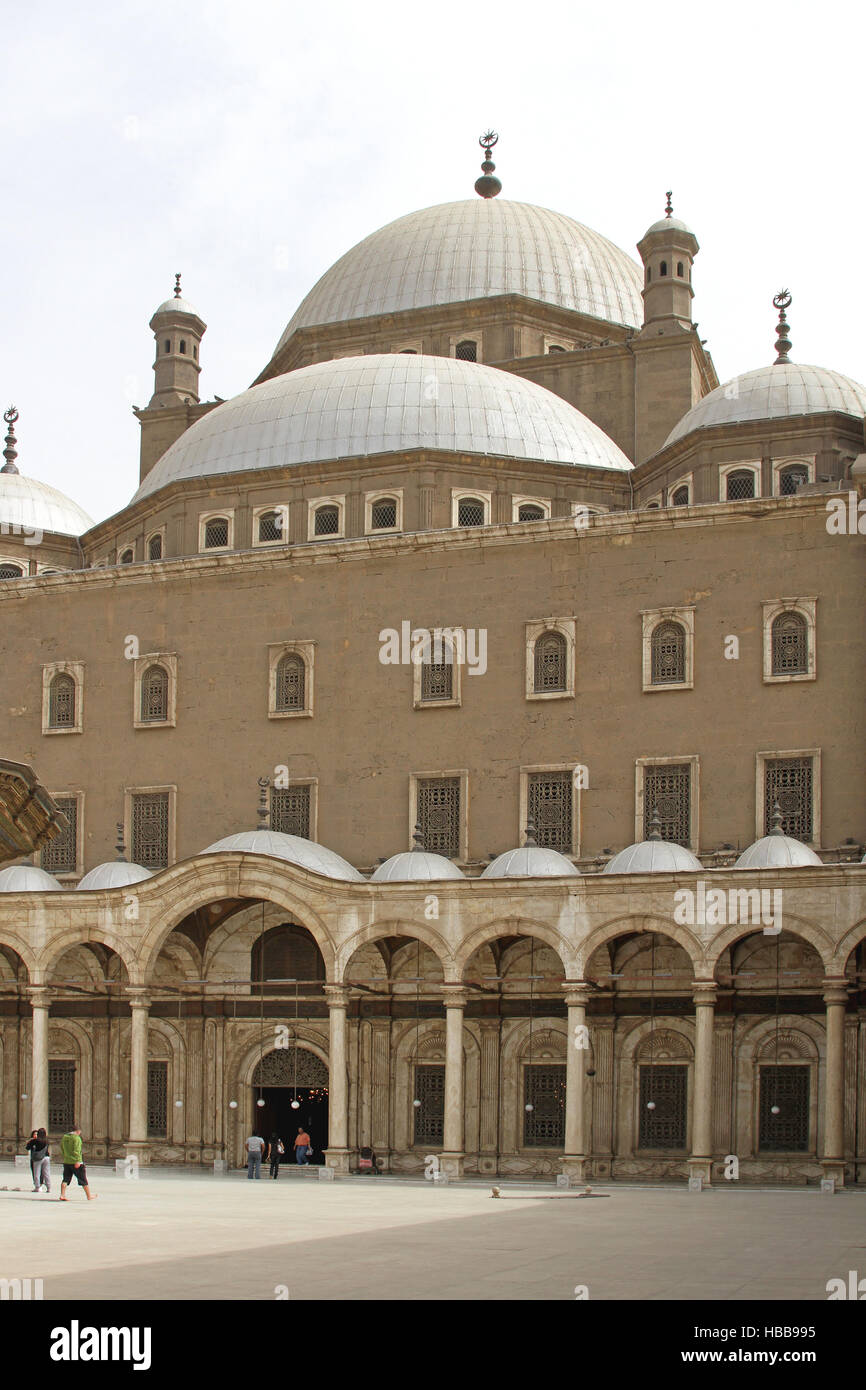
x=255 y=1147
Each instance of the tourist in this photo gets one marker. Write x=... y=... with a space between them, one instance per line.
x=40 y=1163
x=302 y=1146
x=367 y=1160
x=73 y=1163
x=276 y=1149
x=255 y=1147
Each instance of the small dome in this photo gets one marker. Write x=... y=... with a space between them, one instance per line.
x=28 y=506
x=531 y=861
x=776 y=392
x=292 y=848
x=118 y=874
x=653 y=857
x=668 y=224
x=413 y=866
x=176 y=306
x=777 y=852
x=27 y=878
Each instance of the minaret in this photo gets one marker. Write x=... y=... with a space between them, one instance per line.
x=668 y=250
x=178 y=331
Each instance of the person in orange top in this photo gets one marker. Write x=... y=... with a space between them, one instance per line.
x=302 y=1144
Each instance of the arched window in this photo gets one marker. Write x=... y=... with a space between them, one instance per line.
x=154 y=548
x=183 y=345
x=680 y=269
x=194 y=352
x=437 y=677
x=792 y=478
x=551 y=663
x=270 y=527
x=11 y=571
x=668 y=648
x=663 y=268
x=61 y=704
x=653 y=506
x=127 y=557
x=470 y=511
x=790 y=640
x=467 y=350
x=649 y=274
x=326 y=521
x=216 y=532
x=681 y=496
x=740 y=485
x=284 y=955
x=168 y=344
x=555 y=347
x=291 y=683
x=528 y=511
x=383 y=514
x=154 y=695
x=408 y=352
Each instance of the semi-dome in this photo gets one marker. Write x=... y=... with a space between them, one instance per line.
x=27 y=878
x=292 y=848
x=387 y=402
x=777 y=852
x=774 y=393
x=473 y=249
x=28 y=507
x=118 y=874
x=653 y=857
x=530 y=861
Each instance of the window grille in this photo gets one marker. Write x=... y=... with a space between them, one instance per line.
x=790 y=639
x=470 y=512
x=791 y=479
x=157 y=1100
x=668 y=652
x=679 y=268
x=60 y=855
x=551 y=663
x=283 y=956
x=663 y=268
x=271 y=526
x=291 y=683
x=327 y=521
x=664 y=1127
x=126 y=558
x=740 y=485
x=290 y=810
x=168 y=344
x=529 y=511
x=439 y=815
x=154 y=548
x=384 y=514
x=681 y=497
x=437 y=677
x=154 y=695
x=790 y=782
x=150 y=829
x=61 y=1096
x=550 y=807
x=216 y=532
x=544 y=1124
x=667 y=787
x=467 y=351
x=61 y=703
x=11 y=572
x=787 y=1088
x=430 y=1114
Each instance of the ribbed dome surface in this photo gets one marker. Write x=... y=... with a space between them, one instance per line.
x=777 y=852
x=176 y=306
x=532 y=861
x=471 y=250
x=387 y=402
x=773 y=393
x=28 y=506
x=292 y=848
x=27 y=878
x=653 y=857
x=415 y=866
x=116 y=875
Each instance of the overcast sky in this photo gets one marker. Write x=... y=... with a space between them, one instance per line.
x=250 y=145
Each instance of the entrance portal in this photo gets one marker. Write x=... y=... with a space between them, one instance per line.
x=282 y=1076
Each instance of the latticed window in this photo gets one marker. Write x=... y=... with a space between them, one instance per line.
x=664 y=1127
x=790 y=639
x=551 y=663
x=61 y=703
x=383 y=514
x=216 y=532
x=740 y=484
x=470 y=512
x=544 y=1124
x=154 y=695
x=11 y=572
x=786 y=1089
x=290 y=810
x=430 y=1114
x=668 y=789
x=270 y=526
x=668 y=653
x=326 y=521
x=550 y=807
x=154 y=548
x=157 y=1100
x=285 y=955
x=60 y=855
x=439 y=815
x=437 y=677
x=529 y=511
x=61 y=1096
x=791 y=479
x=150 y=829
x=681 y=496
x=790 y=782
x=467 y=351
x=291 y=682
x=126 y=558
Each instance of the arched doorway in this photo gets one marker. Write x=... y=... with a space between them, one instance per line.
x=287 y=1074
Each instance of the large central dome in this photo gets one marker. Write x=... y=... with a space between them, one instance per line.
x=384 y=403
x=471 y=250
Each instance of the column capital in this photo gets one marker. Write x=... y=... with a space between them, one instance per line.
x=455 y=996
x=704 y=993
x=337 y=996
x=138 y=998
x=576 y=993
x=836 y=989
x=39 y=996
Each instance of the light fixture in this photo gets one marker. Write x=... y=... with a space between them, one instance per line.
x=233 y=1105
x=260 y=1102
x=296 y=1105
x=417 y=1104
x=178 y=1105
x=24 y=1095
x=118 y=1095
x=775 y=1110
x=650 y=1105
x=529 y=1106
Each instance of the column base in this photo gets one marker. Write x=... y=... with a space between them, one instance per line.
x=488 y=1164
x=451 y=1164
x=701 y=1168
x=834 y=1168
x=340 y=1160
x=138 y=1149
x=575 y=1167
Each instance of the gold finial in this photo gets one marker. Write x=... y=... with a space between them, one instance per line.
x=669 y=207
x=177 y=285
x=10 y=453
x=487 y=186
x=782 y=301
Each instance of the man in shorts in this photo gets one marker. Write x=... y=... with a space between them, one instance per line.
x=71 y=1151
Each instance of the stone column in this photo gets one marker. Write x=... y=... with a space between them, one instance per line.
x=488 y=1129
x=701 y=1158
x=575 y=1160
x=380 y=1074
x=451 y=1158
x=40 y=1003
x=338 y=1154
x=137 y=1145
x=833 y=1159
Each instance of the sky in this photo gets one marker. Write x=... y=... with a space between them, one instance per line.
x=249 y=146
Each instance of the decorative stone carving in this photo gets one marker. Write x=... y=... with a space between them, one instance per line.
x=665 y=1045
x=278 y=1069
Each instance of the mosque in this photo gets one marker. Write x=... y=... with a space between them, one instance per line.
x=455 y=746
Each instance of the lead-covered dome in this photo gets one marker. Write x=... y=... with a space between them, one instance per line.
x=384 y=403
x=777 y=852
x=27 y=878
x=471 y=250
x=653 y=857
x=415 y=866
x=28 y=507
x=773 y=393
x=292 y=848
x=530 y=861
x=118 y=874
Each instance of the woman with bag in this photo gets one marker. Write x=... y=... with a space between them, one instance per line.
x=276 y=1149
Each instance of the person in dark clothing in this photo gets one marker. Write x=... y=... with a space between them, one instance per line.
x=367 y=1160
x=40 y=1162
x=276 y=1149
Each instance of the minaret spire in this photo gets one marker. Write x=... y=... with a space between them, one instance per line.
x=669 y=207
x=488 y=185
x=177 y=285
x=782 y=301
x=10 y=453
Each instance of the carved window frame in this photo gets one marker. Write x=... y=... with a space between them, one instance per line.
x=370 y=500
x=306 y=651
x=773 y=755
x=745 y=466
x=651 y=618
x=535 y=628
x=806 y=608
x=279 y=509
x=168 y=661
x=525 y=774
x=463 y=774
x=313 y=505
x=74 y=669
x=543 y=502
x=226 y=514
x=640 y=767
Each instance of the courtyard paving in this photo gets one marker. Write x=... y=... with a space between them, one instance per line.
x=172 y=1235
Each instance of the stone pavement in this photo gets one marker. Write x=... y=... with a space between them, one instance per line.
x=175 y=1235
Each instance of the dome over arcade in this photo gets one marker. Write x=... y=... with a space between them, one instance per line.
x=27 y=878
x=474 y=249
x=118 y=874
x=291 y=848
x=777 y=851
x=416 y=865
x=384 y=403
x=531 y=860
x=775 y=392
x=653 y=857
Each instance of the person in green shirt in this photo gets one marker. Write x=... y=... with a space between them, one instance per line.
x=72 y=1152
